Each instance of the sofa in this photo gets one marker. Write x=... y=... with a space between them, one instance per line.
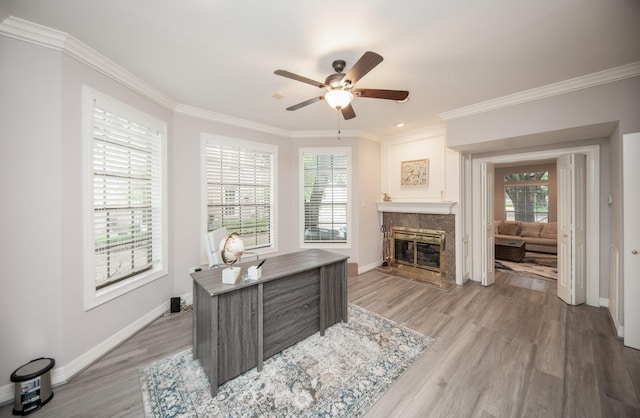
x=540 y=237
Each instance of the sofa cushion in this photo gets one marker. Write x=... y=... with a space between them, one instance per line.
x=542 y=241
x=509 y=228
x=496 y=226
x=549 y=230
x=530 y=229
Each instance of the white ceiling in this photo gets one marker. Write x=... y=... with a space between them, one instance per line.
x=219 y=55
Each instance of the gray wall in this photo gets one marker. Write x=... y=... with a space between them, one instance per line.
x=615 y=104
x=41 y=169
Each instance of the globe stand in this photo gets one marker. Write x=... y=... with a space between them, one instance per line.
x=230 y=275
x=231 y=249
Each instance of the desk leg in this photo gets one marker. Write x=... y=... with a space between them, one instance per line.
x=323 y=301
x=260 y=333
x=213 y=369
x=345 y=299
x=194 y=350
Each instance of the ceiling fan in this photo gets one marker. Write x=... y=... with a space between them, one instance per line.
x=340 y=87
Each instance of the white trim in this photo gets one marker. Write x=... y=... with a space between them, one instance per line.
x=350 y=133
x=33 y=33
x=207 y=115
x=7 y=393
x=439 y=208
x=604 y=302
x=368 y=267
x=215 y=139
x=26 y=31
x=93 y=297
x=63 y=374
x=554 y=89
x=432 y=131
x=350 y=210
x=593 y=208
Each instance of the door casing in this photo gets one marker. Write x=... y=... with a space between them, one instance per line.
x=480 y=254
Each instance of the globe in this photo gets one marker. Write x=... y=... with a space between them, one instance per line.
x=231 y=248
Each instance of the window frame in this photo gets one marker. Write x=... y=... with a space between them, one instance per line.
x=94 y=297
x=207 y=138
x=325 y=151
x=525 y=183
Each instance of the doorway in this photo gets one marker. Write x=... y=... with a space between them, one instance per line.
x=482 y=220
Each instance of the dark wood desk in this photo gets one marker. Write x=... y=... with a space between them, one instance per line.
x=236 y=327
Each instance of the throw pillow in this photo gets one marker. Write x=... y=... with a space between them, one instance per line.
x=496 y=227
x=509 y=228
x=549 y=231
x=530 y=229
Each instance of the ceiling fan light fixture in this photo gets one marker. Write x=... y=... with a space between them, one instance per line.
x=338 y=98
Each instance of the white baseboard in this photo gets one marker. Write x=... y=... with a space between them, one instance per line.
x=604 y=302
x=7 y=394
x=368 y=267
x=62 y=374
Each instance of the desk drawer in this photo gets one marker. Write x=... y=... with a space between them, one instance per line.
x=291 y=310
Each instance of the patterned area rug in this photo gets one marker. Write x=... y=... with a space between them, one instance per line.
x=339 y=375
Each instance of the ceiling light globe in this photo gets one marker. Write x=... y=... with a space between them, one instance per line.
x=338 y=98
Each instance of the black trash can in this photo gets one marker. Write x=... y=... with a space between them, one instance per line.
x=32 y=385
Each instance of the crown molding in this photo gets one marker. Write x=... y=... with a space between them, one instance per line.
x=561 y=87
x=210 y=116
x=432 y=131
x=331 y=133
x=35 y=34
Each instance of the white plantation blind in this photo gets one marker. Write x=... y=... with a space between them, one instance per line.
x=126 y=178
x=326 y=190
x=240 y=192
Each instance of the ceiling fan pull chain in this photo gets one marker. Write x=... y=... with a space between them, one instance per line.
x=339 y=132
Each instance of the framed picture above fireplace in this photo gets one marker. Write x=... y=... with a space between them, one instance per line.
x=414 y=173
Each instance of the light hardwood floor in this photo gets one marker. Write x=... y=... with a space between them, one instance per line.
x=511 y=349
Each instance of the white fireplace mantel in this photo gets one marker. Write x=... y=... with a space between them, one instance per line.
x=437 y=208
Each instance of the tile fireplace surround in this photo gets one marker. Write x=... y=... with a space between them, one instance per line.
x=436 y=216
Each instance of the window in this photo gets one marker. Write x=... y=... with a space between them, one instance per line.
x=326 y=174
x=527 y=197
x=239 y=189
x=125 y=217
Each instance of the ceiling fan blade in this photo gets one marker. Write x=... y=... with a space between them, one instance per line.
x=381 y=94
x=366 y=63
x=348 y=112
x=297 y=77
x=306 y=103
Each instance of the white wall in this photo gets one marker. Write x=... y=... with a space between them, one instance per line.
x=42 y=244
x=187 y=230
x=31 y=255
x=611 y=102
x=42 y=190
x=514 y=128
x=365 y=188
x=367 y=178
x=443 y=167
x=85 y=330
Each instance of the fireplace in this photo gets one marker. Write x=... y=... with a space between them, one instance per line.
x=433 y=221
x=418 y=248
